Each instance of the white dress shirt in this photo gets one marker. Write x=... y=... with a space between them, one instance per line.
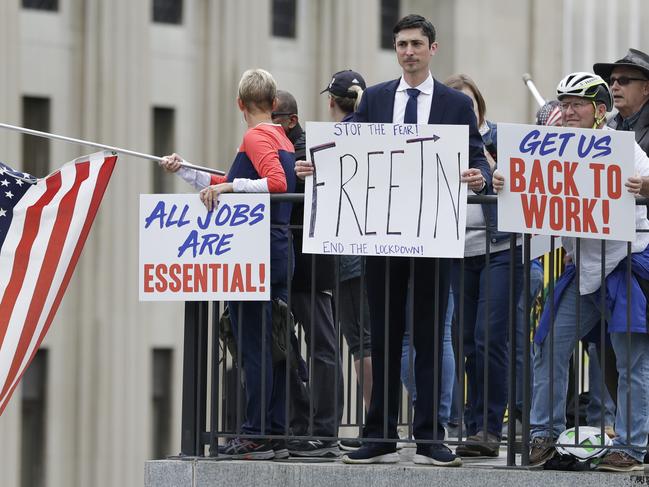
x=424 y=100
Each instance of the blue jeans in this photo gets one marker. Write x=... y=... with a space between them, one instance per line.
x=486 y=317
x=549 y=418
x=536 y=285
x=248 y=315
x=594 y=408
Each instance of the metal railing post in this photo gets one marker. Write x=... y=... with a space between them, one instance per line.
x=194 y=385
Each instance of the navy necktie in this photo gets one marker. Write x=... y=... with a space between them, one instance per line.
x=411 y=107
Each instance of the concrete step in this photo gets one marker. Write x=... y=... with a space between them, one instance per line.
x=203 y=472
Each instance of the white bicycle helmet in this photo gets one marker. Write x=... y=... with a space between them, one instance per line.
x=586 y=85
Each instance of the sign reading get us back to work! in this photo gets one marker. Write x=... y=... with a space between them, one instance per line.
x=566 y=181
x=385 y=189
x=190 y=254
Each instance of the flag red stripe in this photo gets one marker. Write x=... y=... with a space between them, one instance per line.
x=21 y=259
x=102 y=182
x=48 y=270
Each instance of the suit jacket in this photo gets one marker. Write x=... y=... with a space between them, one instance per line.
x=448 y=106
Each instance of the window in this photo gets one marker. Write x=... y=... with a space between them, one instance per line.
x=161 y=398
x=168 y=11
x=52 y=5
x=36 y=150
x=389 y=18
x=164 y=142
x=284 y=18
x=33 y=428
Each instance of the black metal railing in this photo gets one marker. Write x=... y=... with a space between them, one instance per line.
x=213 y=395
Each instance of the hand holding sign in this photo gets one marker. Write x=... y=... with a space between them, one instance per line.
x=209 y=196
x=474 y=179
x=303 y=169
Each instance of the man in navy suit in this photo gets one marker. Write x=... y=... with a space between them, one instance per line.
x=413 y=98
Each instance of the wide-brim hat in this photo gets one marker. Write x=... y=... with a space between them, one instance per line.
x=634 y=59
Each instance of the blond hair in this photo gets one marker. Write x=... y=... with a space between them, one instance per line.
x=257 y=90
x=350 y=102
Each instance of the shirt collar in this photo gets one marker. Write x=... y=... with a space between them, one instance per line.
x=425 y=87
x=627 y=123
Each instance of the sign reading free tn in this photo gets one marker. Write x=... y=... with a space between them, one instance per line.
x=566 y=181
x=190 y=254
x=385 y=189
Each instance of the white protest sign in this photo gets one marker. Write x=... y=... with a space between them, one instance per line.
x=566 y=181
x=386 y=189
x=188 y=254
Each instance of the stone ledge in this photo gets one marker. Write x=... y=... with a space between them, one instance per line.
x=210 y=472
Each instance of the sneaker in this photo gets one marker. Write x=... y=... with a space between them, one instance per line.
x=619 y=461
x=280 y=449
x=541 y=450
x=313 y=448
x=249 y=449
x=350 y=445
x=436 y=454
x=372 y=454
x=480 y=447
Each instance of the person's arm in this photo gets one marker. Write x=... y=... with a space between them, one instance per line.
x=264 y=156
x=197 y=179
x=639 y=183
x=480 y=181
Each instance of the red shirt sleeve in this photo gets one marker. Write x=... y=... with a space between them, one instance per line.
x=216 y=179
x=262 y=150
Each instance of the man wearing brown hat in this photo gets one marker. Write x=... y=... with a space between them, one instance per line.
x=629 y=82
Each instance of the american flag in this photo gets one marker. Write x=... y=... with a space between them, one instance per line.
x=43 y=226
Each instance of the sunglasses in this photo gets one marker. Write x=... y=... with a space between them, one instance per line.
x=281 y=114
x=623 y=80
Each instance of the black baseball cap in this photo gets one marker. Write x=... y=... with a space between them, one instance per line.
x=342 y=81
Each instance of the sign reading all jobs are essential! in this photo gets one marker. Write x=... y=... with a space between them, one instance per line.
x=190 y=254
x=566 y=181
x=385 y=189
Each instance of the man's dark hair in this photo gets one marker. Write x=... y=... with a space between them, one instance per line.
x=286 y=102
x=415 y=22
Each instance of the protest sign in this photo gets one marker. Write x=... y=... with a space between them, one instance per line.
x=190 y=254
x=385 y=189
x=566 y=181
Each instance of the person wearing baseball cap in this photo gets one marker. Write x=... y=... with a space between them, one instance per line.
x=629 y=81
x=346 y=84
